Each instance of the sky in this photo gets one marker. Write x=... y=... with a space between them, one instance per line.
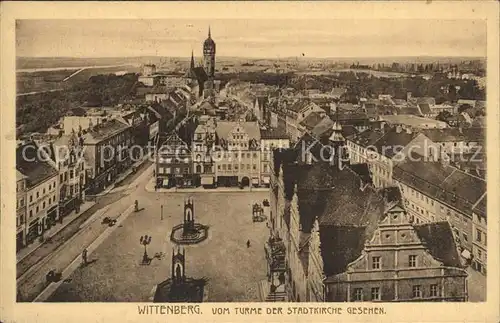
x=253 y=38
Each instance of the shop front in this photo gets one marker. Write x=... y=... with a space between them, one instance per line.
x=32 y=231
x=207 y=181
x=51 y=217
x=266 y=180
x=227 y=181
x=19 y=240
x=255 y=182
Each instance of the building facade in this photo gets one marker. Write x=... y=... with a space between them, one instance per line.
x=203 y=144
x=174 y=163
x=237 y=162
x=42 y=192
x=107 y=153
x=20 y=210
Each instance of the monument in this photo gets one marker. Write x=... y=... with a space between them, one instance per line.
x=179 y=288
x=189 y=232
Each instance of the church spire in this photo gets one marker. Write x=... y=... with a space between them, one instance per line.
x=192 y=59
x=209 y=33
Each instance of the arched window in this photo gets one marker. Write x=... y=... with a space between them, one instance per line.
x=198 y=168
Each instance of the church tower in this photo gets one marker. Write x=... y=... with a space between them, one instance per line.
x=209 y=56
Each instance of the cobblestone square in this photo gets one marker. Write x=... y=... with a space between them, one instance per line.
x=233 y=270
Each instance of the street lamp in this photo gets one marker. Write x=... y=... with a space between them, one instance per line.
x=145 y=240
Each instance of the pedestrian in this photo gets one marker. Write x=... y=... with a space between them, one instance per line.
x=248 y=243
x=84 y=256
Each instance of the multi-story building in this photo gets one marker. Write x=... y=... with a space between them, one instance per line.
x=66 y=155
x=382 y=148
x=295 y=113
x=20 y=210
x=436 y=191
x=346 y=241
x=457 y=141
x=238 y=161
x=106 y=152
x=202 y=148
x=42 y=192
x=479 y=229
x=270 y=139
x=174 y=163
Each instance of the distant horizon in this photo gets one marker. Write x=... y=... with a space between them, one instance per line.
x=251 y=38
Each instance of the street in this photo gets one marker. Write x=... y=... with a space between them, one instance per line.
x=70 y=241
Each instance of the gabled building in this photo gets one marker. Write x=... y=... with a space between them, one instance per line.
x=174 y=163
x=204 y=140
x=239 y=161
x=341 y=237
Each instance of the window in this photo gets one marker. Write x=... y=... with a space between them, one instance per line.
x=31 y=214
x=37 y=194
x=375 y=262
x=37 y=209
x=235 y=167
x=248 y=166
x=358 y=294
x=229 y=167
x=254 y=167
x=465 y=236
x=218 y=167
x=417 y=292
x=375 y=293
x=223 y=166
x=71 y=174
x=412 y=261
x=479 y=254
x=167 y=170
x=478 y=235
x=434 y=290
x=265 y=168
x=31 y=198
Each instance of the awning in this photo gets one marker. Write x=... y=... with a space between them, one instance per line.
x=207 y=181
x=466 y=254
x=266 y=179
x=165 y=182
x=255 y=180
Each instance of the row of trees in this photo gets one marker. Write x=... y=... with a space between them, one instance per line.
x=36 y=113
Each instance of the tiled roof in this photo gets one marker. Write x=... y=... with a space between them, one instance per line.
x=426 y=100
x=425 y=108
x=411 y=110
x=312 y=120
x=384 y=141
x=438 y=238
x=30 y=165
x=104 y=130
x=446 y=184
x=338 y=91
x=322 y=128
x=299 y=105
x=474 y=134
x=273 y=133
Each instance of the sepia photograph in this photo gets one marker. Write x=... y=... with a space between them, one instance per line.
x=230 y=160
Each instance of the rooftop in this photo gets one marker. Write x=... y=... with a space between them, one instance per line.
x=30 y=165
x=414 y=121
x=454 y=134
x=444 y=183
x=104 y=131
x=312 y=119
x=273 y=133
x=225 y=127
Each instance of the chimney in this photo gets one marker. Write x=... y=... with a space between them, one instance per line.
x=408 y=96
x=399 y=129
x=460 y=129
x=408 y=130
